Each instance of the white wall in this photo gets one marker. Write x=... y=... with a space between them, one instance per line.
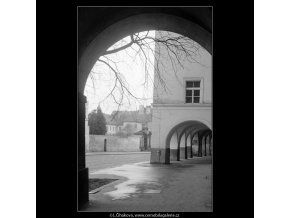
x=169 y=108
x=195 y=146
x=165 y=118
x=149 y=125
x=182 y=141
x=175 y=81
x=114 y=143
x=111 y=129
x=188 y=143
x=174 y=141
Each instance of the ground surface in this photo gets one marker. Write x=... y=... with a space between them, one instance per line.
x=101 y=160
x=96 y=183
x=182 y=186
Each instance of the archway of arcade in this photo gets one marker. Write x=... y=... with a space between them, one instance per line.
x=101 y=36
x=189 y=139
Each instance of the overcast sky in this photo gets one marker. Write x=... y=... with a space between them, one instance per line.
x=133 y=71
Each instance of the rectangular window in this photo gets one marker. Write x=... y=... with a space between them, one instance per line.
x=192 y=91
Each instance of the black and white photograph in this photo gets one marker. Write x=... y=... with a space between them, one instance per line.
x=145 y=109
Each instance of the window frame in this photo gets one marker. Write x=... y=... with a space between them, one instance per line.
x=194 y=79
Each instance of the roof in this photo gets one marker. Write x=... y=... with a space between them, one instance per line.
x=118 y=118
x=143 y=132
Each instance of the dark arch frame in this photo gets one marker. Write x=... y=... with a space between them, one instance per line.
x=103 y=38
x=133 y=24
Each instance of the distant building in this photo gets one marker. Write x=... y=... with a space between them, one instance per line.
x=145 y=140
x=132 y=121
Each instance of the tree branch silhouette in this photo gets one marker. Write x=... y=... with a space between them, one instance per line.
x=176 y=49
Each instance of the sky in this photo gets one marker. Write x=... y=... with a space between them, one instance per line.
x=132 y=69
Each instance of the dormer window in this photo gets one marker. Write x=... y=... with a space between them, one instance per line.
x=193 y=91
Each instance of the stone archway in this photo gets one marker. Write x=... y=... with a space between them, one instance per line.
x=103 y=39
x=178 y=132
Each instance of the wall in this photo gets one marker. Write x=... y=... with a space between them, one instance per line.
x=173 y=147
x=169 y=107
x=149 y=125
x=112 y=129
x=134 y=126
x=183 y=152
x=189 y=147
x=165 y=118
x=114 y=143
x=175 y=80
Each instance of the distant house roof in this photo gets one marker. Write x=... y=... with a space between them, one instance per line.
x=118 y=118
x=143 y=132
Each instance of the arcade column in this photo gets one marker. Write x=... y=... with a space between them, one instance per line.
x=83 y=183
x=199 y=145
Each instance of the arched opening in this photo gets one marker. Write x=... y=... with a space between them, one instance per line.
x=194 y=142
x=192 y=138
x=102 y=40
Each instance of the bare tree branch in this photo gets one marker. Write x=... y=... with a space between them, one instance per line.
x=177 y=49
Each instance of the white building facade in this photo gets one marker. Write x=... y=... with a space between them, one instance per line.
x=182 y=111
x=113 y=129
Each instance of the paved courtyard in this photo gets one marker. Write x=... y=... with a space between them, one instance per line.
x=101 y=160
x=182 y=186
